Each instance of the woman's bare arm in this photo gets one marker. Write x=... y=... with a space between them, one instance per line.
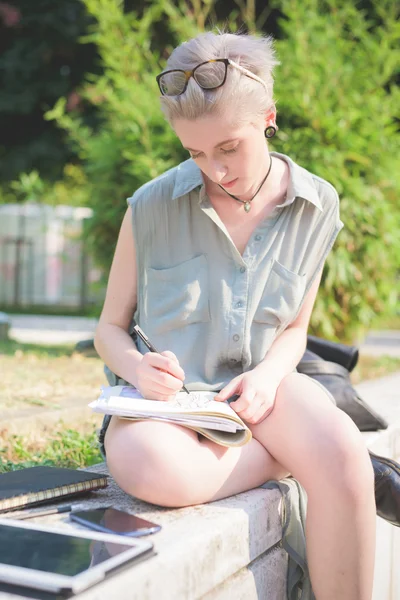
x=156 y=376
x=112 y=340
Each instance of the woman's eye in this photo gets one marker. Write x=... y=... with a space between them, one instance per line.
x=229 y=151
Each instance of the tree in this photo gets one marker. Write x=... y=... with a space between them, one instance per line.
x=41 y=60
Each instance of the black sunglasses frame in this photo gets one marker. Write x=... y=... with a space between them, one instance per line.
x=189 y=74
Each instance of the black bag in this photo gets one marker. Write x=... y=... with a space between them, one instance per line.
x=341 y=354
x=330 y=363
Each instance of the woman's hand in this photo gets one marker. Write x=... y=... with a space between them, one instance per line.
x=159 y=376
x=256 y=390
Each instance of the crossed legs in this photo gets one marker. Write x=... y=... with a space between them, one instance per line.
x=305 y=435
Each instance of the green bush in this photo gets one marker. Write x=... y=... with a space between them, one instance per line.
x=337 y=109
x=337 y=104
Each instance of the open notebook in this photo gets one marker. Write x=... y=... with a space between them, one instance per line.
x=198 y=410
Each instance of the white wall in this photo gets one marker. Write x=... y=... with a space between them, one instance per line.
x=50 y=267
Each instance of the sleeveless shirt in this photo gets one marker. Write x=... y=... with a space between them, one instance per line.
x=217 y=310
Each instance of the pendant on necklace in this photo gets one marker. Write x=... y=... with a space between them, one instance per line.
x=247 y=206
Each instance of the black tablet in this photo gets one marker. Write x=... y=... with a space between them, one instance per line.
x=61 y=559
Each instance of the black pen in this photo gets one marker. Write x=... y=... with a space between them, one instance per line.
x=150 y=346
x=47 y=511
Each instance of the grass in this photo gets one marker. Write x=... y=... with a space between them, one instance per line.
x=91 y=310
x=372 y=367
x=16 y=349
x=65 y=448
x=37 y=376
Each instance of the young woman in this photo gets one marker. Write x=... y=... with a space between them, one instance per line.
x=219 y=261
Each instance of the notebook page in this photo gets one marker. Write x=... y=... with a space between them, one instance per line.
x=128 y=398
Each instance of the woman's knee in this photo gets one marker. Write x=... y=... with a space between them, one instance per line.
x=334 y=453
x=343 y=463
x=145 y=459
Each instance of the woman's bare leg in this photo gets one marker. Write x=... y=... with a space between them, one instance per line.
x=325 y=452
x=168 y=465
x=310 y=437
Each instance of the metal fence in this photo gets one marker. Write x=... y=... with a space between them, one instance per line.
x=43 y=256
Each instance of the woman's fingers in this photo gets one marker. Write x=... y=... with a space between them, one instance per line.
x=230 y=389
x=170 y=354
x=166 y=361
x=156 y=394
x=160 y=376
x=244 y=401
x=258 y=410
x=254 y=411
x=152 y=389
x=164 y=382
x=260 y=415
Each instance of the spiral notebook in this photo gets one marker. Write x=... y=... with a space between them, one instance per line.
x=36 y=485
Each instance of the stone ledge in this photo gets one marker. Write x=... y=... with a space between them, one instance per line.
x=264 y=578
x=202 y=551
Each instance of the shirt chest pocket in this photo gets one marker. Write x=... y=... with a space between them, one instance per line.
x=281 y=297
x=178 y=296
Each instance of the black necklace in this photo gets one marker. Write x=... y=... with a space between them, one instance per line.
x=247 y=203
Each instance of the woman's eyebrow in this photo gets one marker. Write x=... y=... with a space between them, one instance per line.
x=216 y=146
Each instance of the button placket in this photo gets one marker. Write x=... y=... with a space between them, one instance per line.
x=237 y=315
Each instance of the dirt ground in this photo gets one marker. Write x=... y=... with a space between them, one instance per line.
x=29 y=381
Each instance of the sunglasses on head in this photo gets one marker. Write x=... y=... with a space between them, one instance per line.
x=209 y=75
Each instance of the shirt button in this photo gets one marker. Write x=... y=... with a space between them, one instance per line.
x=236 y=337
x=242 y=269
x=258 y=238
x=239 y=304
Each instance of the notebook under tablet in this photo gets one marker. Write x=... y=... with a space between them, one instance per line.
x=62 y=560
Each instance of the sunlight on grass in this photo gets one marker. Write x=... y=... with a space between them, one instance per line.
x=65 y=448
x=372 y=367
x=18 y=349
x=47 y=376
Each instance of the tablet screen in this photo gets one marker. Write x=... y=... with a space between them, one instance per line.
x=53 y=552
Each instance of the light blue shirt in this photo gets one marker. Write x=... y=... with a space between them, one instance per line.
x=217 y=310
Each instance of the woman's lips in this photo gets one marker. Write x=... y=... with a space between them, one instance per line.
x=230 y=184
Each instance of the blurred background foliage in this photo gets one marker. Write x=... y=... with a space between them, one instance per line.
x=80 y=120
x=41 y=60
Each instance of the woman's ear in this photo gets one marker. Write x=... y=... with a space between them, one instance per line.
x=270 y=116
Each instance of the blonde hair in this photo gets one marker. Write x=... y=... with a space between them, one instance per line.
x=245 y=97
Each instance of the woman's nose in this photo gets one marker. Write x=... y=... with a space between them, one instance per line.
x=217 y=171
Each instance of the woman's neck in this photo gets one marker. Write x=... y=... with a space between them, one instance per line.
x=272 y=191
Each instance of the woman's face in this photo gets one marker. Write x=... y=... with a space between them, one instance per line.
x=235 y=157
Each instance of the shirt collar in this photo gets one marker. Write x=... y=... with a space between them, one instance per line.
x=188 y=177
x=301 y=183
